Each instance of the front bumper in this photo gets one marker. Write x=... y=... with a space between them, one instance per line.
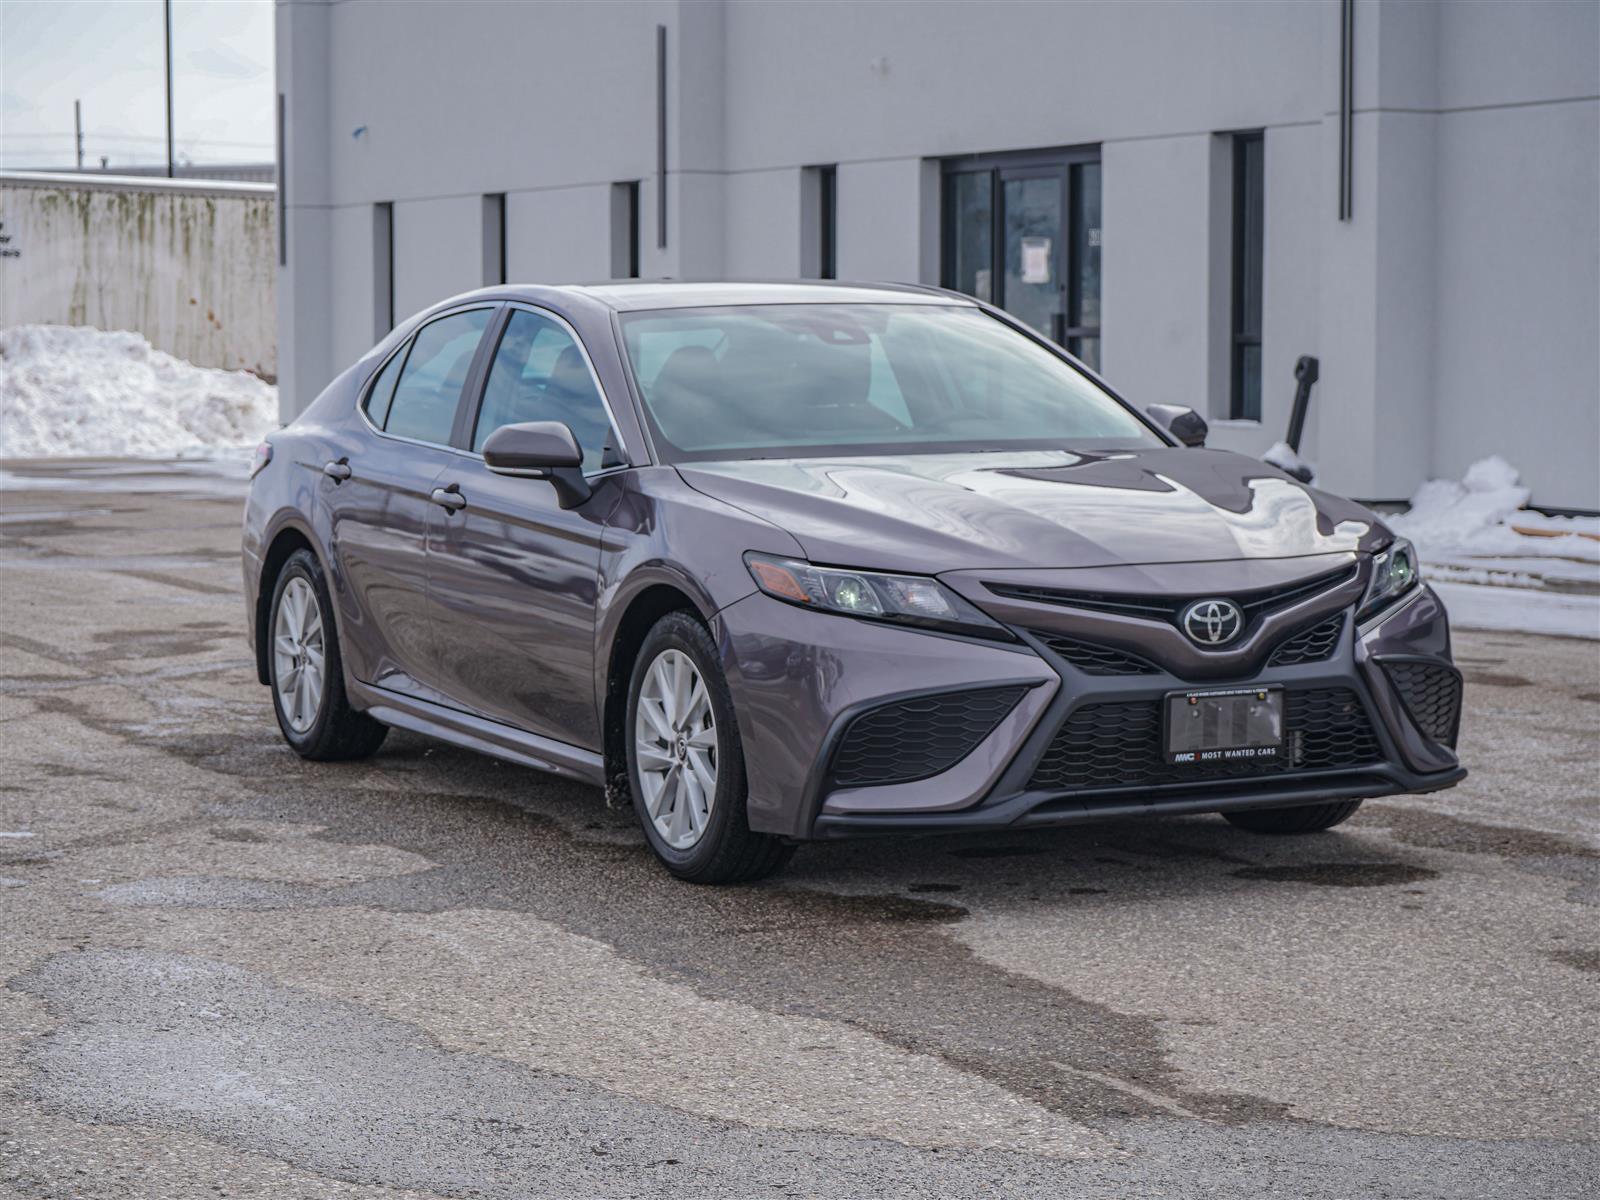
x=1075 y=745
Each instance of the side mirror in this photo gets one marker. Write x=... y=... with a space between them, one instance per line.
x=1183 y=423
x=540 y=450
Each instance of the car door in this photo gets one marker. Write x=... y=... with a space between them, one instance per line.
x=380 y=502
x=512 y=576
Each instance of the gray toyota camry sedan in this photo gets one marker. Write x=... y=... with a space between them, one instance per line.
x=786 y=561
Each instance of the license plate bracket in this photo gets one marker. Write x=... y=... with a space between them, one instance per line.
x=1223 y=725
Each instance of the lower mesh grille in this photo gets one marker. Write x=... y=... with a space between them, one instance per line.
x=1094 y=659
x=1432 y=695
x=1119 y=745
x=913 y=739
x=1309 y=645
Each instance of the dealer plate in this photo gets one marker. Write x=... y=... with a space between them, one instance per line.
x=1224 y=725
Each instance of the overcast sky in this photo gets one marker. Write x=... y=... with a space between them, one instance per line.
x=109 y=54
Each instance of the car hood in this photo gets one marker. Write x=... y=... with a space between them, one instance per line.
x=947 y=512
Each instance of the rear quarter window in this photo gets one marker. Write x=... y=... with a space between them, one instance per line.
x=382 y=393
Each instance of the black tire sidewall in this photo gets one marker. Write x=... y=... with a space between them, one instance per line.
x=303 y=564
x=679 y=631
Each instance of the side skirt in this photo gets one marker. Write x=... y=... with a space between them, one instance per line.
x=475 y=733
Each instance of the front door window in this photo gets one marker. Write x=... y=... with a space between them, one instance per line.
x=1023 y=232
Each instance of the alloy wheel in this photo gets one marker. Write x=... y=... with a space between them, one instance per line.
x=298 y=654
x=675 y=749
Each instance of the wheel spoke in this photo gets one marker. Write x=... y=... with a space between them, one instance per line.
x=656 y=718
x=657 y=803
x=680 y=807
x=698 y=699
x=705 y=777
x=681 y=671
x=652 y=757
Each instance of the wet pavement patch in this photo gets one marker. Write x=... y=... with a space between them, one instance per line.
x=200 y=1046
x=1430 y=830
x=934 y=887
x=1578 y=960
x=1492 y=679
x=1339 y=874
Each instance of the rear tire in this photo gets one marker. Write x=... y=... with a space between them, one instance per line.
x=675 y=744
x=1309 y=818
x=316 y=720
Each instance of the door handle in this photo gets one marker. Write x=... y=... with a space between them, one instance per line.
x=449 y=497
x=337 y=471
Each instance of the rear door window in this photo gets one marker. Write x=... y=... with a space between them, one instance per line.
x=425 y=399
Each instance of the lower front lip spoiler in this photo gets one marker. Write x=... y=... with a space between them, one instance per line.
x=1041 y=809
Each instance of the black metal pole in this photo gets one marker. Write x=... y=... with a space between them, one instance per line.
x=1305 y=374
x=167 y=5
x=77 y=127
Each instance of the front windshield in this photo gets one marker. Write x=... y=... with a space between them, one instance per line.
x=805 y=380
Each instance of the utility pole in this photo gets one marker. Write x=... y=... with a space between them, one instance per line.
x=168 y=7
x=77 y=124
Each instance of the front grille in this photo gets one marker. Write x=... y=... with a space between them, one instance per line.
x=1309 y=645
x=907 y=740
x=1093 y=659
x=1119 y=745
x=1432 y=695
x=1254 y=604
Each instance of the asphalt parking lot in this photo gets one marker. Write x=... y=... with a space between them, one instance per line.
x=228 y=972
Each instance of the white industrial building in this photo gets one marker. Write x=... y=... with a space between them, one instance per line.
x=1191 y=194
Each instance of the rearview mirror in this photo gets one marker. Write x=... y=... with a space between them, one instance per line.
x=1182 y=422
x=540 y=450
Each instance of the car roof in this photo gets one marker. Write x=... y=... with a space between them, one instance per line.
x=635 y=295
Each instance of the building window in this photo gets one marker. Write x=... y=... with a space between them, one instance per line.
x=382 y=269
x=819 y=222
x=1022 y=231
x=494 y=239
x=828 y=222
x=1248 y=206
x=625 y=230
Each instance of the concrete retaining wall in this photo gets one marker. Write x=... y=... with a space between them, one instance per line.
x=189 y=265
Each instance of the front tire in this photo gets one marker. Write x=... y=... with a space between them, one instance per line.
x=306 y=672
x=1309 y=818
x=686 y=762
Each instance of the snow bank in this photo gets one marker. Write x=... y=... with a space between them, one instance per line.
x=80 y=391
x=1482 y=516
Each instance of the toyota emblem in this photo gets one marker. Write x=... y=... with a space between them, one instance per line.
x=1212 y=622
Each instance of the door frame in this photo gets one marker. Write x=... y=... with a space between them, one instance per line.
x=1021 y=164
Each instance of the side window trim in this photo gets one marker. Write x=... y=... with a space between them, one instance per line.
x=477 y=376
x=404 y=348
x=462 y=438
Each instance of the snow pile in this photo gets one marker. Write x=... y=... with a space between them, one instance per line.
x=80 y=391
x=1481 y=516
x=1285 y=459
x=1499 y=566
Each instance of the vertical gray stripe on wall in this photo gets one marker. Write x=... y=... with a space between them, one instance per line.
x=382 y=270
x=1347 y=104
x=661 y=136
x=283 y=189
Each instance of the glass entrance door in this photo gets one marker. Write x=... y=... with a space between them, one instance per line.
x=1023 y=232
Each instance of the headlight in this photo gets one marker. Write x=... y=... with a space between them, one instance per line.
x=903 y=599
x=1394 y=573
